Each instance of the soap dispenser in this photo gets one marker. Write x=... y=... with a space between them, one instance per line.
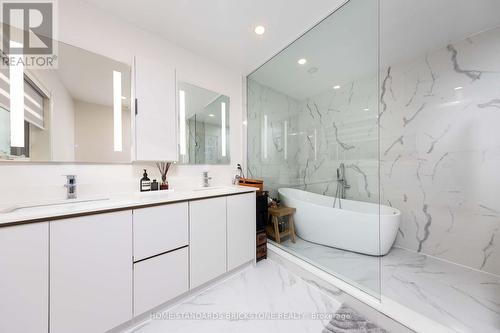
x=145 y=183
x=155 y=186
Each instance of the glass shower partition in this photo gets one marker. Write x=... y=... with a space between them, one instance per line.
x=313 y=128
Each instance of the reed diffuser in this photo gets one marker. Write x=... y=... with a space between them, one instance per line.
x=163 y=167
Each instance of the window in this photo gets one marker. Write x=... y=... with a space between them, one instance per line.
x=33 y=116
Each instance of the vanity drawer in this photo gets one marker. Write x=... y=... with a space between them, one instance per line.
x=160 y=279
x=160 y=229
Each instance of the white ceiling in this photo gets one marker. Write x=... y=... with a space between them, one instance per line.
x=410 y=28
x=344 y=47
x=223 y=30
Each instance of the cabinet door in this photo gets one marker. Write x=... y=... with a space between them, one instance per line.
x=241 y=219
x=156 y=112
x=207 y=240
x=24 y=278
x=160 y=279
x=160 y=229
x=90 y=273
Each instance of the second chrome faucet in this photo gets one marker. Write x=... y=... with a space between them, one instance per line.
x=206 y=179
x=70 y=187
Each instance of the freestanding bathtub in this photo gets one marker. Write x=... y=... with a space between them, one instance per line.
x=355 y=227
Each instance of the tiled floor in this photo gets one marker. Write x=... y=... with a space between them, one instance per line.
x=458 y=297
x=360 y=270
x=268 y=288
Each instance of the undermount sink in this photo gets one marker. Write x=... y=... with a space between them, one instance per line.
x=49 y=204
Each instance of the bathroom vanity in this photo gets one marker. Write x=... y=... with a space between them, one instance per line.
x=91 y=266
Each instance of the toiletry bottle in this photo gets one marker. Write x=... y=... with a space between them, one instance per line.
x=154 y=185
x=145 y=183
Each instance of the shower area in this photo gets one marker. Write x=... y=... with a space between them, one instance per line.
x=380 y=126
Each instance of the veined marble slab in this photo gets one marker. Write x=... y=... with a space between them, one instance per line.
x=437 y=118
x=267 y=288
x=360 y=270
x=461 y=298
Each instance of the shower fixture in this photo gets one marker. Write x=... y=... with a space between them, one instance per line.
x=342 y=185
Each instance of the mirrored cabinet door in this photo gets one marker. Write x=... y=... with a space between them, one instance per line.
x=203 y=126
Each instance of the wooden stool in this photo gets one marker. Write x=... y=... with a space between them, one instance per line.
x=273 y=230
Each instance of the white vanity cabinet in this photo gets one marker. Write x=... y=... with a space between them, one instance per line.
x=95 y=272
x=161 y=261
x=207 y=240
x=90 y=272
x=241 y=221
x=156 y=111
x=24 y=278
x=160 y=279
x=160 y=229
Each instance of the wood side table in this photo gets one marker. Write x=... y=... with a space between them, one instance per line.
x=273 y=229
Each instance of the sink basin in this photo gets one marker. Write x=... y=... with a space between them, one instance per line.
x=49 y=204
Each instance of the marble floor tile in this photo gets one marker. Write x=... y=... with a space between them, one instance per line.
x=456 y=296
x=268 y=288
x=360 y=270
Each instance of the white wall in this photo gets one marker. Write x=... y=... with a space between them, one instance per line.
x=83 y=26
x=440 y=150
x=322 y=131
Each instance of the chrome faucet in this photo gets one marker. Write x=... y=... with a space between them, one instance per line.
x=70 y=187
x=341 y=185
x=206 y=179
x=342 y=181
x=239 y=175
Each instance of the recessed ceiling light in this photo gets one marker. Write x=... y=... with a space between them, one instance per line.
x=302 y=61
x=366 y=109
x=336 y=87
x=459 y=88
x=211 y=115
x=259 y=30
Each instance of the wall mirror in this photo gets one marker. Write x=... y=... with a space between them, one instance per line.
x=79 y=111
x=203 y=126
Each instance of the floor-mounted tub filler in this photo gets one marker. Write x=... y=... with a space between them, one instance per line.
x=354 y=227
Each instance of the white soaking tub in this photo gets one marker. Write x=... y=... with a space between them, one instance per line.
x=355 y=227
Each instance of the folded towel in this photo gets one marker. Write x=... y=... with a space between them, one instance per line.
x=346 y=320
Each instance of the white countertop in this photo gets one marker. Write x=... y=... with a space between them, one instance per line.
x=45 y=211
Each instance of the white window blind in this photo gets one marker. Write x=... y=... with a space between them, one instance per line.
x=33 y=100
